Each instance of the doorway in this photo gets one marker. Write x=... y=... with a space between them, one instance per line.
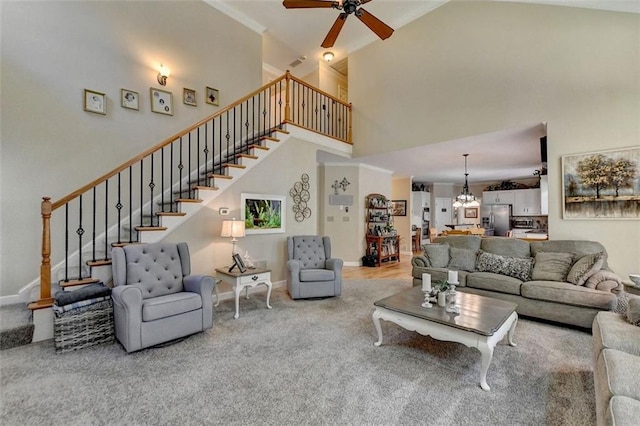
x=443 y=213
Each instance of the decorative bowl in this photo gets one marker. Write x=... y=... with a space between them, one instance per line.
x=635 y=278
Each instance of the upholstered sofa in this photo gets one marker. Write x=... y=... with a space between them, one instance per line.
x=565 y=281
x=616 y=371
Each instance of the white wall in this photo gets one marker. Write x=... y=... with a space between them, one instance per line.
x=471 y=68
x=401 y=190
x=51 y=51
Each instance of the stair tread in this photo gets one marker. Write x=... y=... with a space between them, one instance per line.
x=271 y=138
x=188 y=200
x=206 y=188
x=236 y=166
x=253 y=157
x=286 y=132
x=101 y=262
x=150 y=228
x=215 y=176
x=125 y=243
x=171 y=214
x=264 y=148
x=41 y=304
x=73 y=283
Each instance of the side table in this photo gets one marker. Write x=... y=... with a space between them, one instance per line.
x=244 y=280
x=630 y=287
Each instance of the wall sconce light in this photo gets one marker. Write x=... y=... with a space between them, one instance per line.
x=328 y=56
x=163 y=74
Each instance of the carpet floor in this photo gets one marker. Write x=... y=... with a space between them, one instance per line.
x=309 y=362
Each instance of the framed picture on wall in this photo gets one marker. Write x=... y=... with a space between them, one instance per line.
x=263 y=214
x=94 y=102
x=189 y=97
x=471 y=212
x=399 y=207
x=212 y=96
x=161 y=101
x=129 y=99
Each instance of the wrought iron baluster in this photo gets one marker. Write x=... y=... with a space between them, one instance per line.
x=93 y=224
x=66 y=242
x=152 y=185
x=106 y=213
x=162 y=179
x=130 y=204
x=119 y=208
x=198 y=154
x=171 y=203
x=190 y=191
x=141 y=190
x=180 y=167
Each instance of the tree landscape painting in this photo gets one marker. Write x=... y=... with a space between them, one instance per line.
x=602 y=185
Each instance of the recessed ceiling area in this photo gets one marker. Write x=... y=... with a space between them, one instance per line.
x=503 y=155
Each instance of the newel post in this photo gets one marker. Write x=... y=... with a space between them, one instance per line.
x=45 y=267
x=287 y=96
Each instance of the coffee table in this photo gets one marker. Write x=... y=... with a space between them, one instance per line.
x=481 y=323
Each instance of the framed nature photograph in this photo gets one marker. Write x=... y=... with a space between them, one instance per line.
x=189 y=97
x=471 y=212
x=601 y=185
x=212 y=96
x=263 y=214
x=161 y=101
x=399 y=207
x=129 y=99
x=94 y=102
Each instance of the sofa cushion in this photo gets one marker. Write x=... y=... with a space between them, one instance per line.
x=578 y=248
x=622 y=410
x=618 y=374
x=569 y=294
x=494 y=282
x=633 y=311
x=170 y=305
x=438 y=255
x=506 y=247
x=462 y=259
x=610 y=330
x=469 y=242
x=310 y=275
x=505 y=265
x=585 y=267
x=550 y=266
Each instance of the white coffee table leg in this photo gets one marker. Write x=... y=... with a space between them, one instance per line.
x=486 y=351
x=269 y=285
x=376 y=323
x=512 y=330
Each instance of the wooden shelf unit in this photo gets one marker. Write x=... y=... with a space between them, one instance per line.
x=382 y=240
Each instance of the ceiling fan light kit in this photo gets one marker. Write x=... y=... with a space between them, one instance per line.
x=348 y=7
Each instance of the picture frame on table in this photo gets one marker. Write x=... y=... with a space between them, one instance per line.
x=238 y=263
x=212 y=96
x=161 y=101
x=129 y=99
x=189 y=97
x=95 y=102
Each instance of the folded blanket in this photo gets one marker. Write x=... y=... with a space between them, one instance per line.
x=90 y=291
x=77 y=305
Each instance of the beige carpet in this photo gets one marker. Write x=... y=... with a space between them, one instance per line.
x=305 y=362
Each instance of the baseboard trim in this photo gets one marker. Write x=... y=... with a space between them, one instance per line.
x=352 y=264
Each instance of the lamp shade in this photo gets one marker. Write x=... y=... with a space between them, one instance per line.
x=232 y=228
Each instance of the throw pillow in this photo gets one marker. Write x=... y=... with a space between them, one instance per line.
x=515 y=267
x=633 y=311
x=437 y=254
x=603 y=280
x=622 y=304
x=551 y=266
x=462 y=259
x=585 y=267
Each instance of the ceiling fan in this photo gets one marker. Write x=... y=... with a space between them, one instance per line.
x=348 y=7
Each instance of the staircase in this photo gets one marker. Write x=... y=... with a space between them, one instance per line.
x=149 y=196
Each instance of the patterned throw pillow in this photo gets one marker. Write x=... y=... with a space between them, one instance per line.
x=515 y=267
x=585 y=267
x=633 y=311
x=437 y=254
x=622 y=304
x=462 y=259
x=551 y=266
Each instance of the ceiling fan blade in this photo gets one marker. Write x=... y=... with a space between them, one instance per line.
x=364 y=1
x=304 y=4
x=332 y=35
x=377 y=26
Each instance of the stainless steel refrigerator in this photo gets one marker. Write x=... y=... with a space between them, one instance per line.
x=496 y=217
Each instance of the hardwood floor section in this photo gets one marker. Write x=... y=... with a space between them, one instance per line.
x=400 y=269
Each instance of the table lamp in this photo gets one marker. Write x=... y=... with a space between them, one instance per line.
x=232 y=228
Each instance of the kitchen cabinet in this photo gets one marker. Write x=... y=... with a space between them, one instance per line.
x=419 y=200
x=527 y=202
x=498 y=197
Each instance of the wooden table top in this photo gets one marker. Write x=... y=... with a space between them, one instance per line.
x=478 y=314
x=236 y=272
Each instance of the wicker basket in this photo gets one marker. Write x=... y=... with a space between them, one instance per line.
x=80 y=328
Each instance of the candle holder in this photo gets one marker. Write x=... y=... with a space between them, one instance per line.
x=451 y=306
x=426 y=304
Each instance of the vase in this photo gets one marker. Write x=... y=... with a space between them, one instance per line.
x=442 y=298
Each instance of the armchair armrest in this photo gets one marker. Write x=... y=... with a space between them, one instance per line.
x=334 y=264
x=127 y=306
x=294 y=266
x=420 y=260
x=203 y=285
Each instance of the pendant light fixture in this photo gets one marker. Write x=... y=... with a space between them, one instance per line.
x=466 y=198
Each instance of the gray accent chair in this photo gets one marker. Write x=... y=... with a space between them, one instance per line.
x=312 y=271
x=155 y=297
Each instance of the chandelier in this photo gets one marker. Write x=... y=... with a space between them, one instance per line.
x=466 y=198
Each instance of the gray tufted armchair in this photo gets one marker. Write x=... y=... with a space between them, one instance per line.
x=312 y=271
x=155 y=299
